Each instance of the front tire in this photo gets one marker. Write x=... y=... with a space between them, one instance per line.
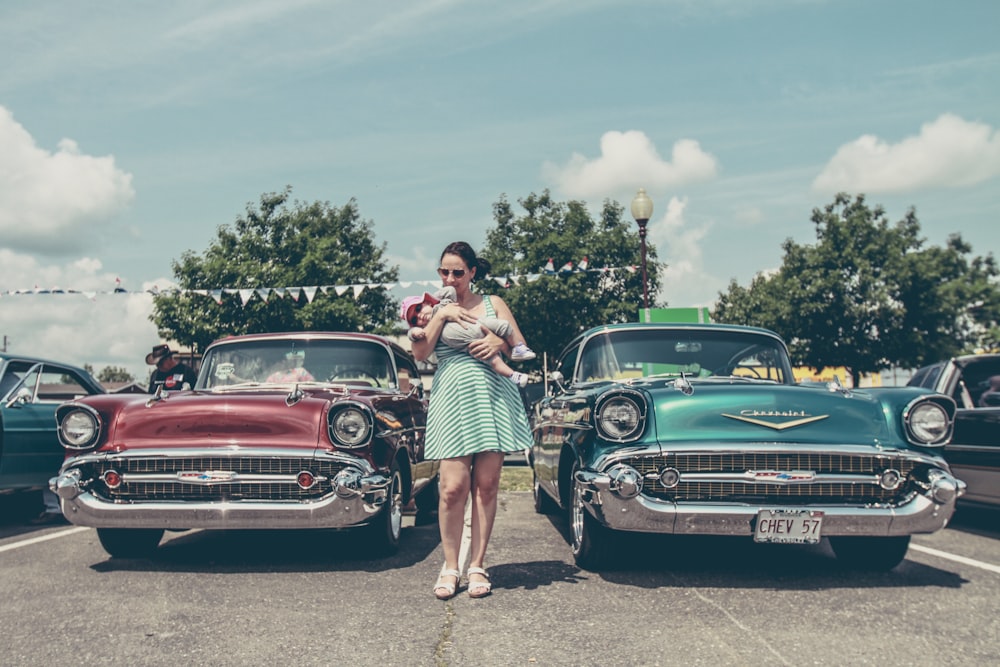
x=384 y=531
x=879 y=554
x=590 y=540
x=129 y=542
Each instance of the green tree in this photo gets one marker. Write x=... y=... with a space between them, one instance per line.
x=553 y=309
x=115 y=374
x=280 y=244
x=868 y=295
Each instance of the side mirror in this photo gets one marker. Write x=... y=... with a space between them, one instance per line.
x=20 y=397
x=416 y=387
x=557 y=378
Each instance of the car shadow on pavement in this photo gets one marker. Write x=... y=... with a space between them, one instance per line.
x=235 y=551
x=981 y=521
x=651 y=561
x=20 y=514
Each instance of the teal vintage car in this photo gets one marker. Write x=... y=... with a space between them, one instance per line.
x=701 y=429
x=30 y=391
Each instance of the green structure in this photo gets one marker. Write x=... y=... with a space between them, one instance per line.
x=693 y=315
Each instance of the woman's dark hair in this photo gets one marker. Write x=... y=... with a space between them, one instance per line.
x=468 y=255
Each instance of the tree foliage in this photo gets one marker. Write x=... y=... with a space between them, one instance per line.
x=280 y=244
x=115 y=374
x=553 y=309
x=869 y=296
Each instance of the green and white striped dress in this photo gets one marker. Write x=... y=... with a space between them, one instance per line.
x=473 y=408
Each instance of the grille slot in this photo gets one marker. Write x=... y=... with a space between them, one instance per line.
x=738 y=463
x=134 y=490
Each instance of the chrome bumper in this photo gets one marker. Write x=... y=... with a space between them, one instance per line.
x=351 y=505
x=922 y=514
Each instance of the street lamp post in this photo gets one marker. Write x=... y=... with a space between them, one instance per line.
x=642 y=210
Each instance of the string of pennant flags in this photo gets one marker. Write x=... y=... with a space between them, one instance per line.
x=310 y=292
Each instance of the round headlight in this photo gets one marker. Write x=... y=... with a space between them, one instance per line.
x=620 y=418
x=928 y=422
x=350 y=427
x=78 y=429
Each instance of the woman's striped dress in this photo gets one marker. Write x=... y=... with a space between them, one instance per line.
x=472 y=408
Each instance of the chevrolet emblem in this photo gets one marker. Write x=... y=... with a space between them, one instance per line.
x=792 y=418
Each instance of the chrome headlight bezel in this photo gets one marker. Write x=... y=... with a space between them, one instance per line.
x=350 y=425
x=620 y=416
x=929 y=421
x=78 y=427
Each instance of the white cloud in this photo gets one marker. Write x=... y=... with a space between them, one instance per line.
x=948 y=152
x=106 y=330
x=54 y=202
x=685 y=282
x=629 y=160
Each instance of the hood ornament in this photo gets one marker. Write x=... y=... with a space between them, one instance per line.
x=294 y=396
x=790 y=418
x=835 y=386
x=160 y=394
x=683 y=385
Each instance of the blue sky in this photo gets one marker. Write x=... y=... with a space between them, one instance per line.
x=130 y=130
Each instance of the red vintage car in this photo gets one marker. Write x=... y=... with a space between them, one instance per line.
x=284 y=431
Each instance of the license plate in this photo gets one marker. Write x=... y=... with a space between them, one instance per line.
x=788 y=526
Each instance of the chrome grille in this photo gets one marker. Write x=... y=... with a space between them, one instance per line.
x=742 y=462
x=279 y=490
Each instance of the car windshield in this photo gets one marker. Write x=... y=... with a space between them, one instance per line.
x=628 y=354
x=288 y=361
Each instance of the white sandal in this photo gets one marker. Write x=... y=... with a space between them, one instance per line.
x=480 y=589
x=449 y=589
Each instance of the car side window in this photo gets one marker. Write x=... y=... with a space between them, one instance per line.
x=568 y=364
x=407 y=373
x=18 y=374
x=53 y=384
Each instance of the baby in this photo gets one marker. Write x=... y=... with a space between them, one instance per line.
x=418 y=310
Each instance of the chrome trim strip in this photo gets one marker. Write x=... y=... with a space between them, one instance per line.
x=221 y=452
x=749 y=478
x=607 y=460
x=236 y=478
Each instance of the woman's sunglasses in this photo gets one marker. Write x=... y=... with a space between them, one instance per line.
x=457 y=273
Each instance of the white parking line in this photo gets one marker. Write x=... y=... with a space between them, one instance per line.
x=958 y=559
x=43 y=538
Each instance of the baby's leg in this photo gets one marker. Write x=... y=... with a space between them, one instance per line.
x=501 y=368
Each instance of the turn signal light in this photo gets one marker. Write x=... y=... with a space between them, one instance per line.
x=112 y=478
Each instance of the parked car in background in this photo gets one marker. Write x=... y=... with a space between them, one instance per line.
x=974 y=450
x=30 y=391
x=292 y=430
x=700 y=429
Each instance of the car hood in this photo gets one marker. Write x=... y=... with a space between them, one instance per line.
x=738 y=413
x=199 y=419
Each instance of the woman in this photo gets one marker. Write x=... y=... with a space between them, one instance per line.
x=475 y=416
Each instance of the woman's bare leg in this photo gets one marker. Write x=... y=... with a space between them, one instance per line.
x=485 y=486
x=453 y=491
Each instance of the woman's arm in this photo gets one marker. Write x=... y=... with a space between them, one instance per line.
x=491 y=344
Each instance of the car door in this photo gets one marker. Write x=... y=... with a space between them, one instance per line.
x=974 y=451
x=30 y=452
